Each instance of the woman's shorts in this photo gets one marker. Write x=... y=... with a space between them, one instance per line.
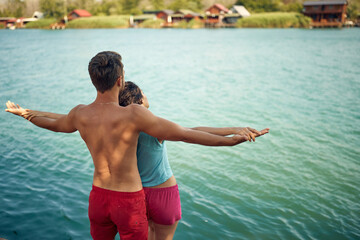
x=163 y=205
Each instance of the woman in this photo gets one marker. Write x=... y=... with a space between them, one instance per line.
x=159 y=183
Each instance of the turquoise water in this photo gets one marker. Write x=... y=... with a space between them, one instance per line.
x=301 y=181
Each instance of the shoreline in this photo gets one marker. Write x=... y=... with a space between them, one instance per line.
x=261 y=20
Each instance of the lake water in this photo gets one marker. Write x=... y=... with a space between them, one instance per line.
x=301 y=181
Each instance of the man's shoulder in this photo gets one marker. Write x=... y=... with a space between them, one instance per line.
x=78 y=110
x=135 y=108
x=137 y=112
x=79 y=107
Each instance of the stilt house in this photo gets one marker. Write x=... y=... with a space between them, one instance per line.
x=326 y=13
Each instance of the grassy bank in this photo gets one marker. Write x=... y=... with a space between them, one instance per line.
x=274 y=20
x=41 y=24
x=100 y=22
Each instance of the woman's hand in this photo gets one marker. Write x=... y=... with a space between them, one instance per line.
x=30 y=114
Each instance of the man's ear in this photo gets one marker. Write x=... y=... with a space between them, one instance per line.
x=119 y=82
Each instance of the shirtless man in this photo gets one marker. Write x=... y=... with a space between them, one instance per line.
x=117 y=200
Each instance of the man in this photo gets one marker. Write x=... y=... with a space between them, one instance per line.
x=117 y=200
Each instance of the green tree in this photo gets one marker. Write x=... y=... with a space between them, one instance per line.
x=260 y=5
x=194 y=5
x=107 y=7
x=352 y=10
x=53 y=8
x=14 y=8
x=131 y=6
x=292 y=7
x=158 y=4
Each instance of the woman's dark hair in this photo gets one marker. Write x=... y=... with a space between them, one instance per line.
x=130 y=94
x=104 y=69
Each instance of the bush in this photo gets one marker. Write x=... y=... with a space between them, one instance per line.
x=2 y=26
x=194 y=23
x=181 y=24
x=41 y=23
x=275 y=20
x=152 y=23
x=100 y=22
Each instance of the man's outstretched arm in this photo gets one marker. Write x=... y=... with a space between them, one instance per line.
x=29 y=114
x=225 y=131
x=64 y=123
x=167 y=130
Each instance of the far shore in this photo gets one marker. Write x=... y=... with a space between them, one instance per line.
x=259 y=20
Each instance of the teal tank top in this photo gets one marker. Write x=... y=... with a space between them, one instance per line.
x=152 y=160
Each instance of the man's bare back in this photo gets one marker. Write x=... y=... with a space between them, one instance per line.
x=111 y=138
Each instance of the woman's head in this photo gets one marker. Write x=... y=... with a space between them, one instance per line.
x=132 y=94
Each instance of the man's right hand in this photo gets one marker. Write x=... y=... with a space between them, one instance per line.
x=249 y=135
x=15 y=109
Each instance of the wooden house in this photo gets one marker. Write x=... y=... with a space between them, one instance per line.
x=217 y=9
x=170 y=17
x=7 y=21
x=215 y=15
x=165 y=15
x=13 y=23
x=326 y=13
x=78 y=13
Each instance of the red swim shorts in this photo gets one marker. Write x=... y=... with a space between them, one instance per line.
x=163 y=205
x=111 y=212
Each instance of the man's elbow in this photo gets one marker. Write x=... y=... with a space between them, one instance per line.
x=62 y=130
x=68 y=130
x=178 y=136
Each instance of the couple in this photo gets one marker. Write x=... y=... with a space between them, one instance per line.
x=115 y=137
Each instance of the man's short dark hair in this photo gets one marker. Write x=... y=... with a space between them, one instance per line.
x=104 y=69
x=131 y=94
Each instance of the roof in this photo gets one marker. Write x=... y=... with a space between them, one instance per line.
x=151 y=11
x=177 y=15
x=219 y=6
x=240 y=10
x=185 y=11
x=192 y=15
x=29 y=20
x=38 y=14
x=81 y=13
x=7 y=18
x=12 y=20
x=167 y=11
x=335 y=2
